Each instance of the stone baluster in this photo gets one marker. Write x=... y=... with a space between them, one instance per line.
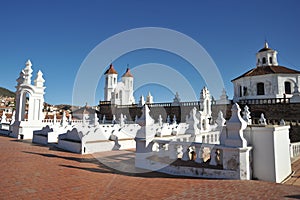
x=199 y=153
x=173 y=151
x=185 y=151
x=161 y=150
x=213 y=157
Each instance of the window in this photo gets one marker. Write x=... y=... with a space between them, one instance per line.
x=270 y=60
x=115 y=80
x=287 y=87
x=260 y=88
x=117 y=96
x=245 y=91
x=240 y=91
x=264 y=60
x=207 y=106
x=258 y=61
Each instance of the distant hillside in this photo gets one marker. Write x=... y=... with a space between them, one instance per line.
x=6 y=93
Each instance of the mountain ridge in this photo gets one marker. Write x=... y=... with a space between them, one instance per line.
x=6 y=93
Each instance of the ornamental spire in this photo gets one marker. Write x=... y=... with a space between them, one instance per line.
x=266 y=44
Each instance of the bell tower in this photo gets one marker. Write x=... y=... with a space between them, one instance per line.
x=111 y=79
x=266 y=56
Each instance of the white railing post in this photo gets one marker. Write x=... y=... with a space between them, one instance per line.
x=185 y=151
x=173 y=151
x=213 y=156
x=199 y=153
x=161 y=150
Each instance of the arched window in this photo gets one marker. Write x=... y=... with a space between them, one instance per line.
x=260 y=88
x=115 y=80
x=287 y=87
x=264 y=60
x=270 y=60
x=117 y=95
x=258 y=61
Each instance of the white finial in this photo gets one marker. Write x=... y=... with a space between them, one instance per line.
x=145 y=119
x=21 y=78
x=282 y=122
x=27 y=72
x=142 y=101
x=28 y=63
x=96 y=119
x=160 y=120
x=235 y=126
x=104 y=119
x=13 y=118
x=70 y=119
x=114 y=119
x=39 y=80
x=63 y=121
x=262 y=120
x=193 y=122
x=247 y=115
x=122 y=120
x=220 y=120
x=176 y=100
x=168 y=119
x=3 y=118
x=54 y=117
x=266 y=44
x=174 y=120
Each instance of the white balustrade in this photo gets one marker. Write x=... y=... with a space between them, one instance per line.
x=295 y=149
x=189 y=151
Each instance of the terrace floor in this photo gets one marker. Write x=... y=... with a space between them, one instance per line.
x=30 y=171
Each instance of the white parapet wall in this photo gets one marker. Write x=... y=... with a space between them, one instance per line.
x=24 y=129
x=176 y=158
x=271 y=153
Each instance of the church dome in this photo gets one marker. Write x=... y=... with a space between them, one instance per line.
x=266 y=48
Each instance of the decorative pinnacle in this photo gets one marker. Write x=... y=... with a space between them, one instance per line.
x=266 y=44
x=28 y=63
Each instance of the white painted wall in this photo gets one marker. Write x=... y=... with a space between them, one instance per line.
x=271 y=156
x=274 y=86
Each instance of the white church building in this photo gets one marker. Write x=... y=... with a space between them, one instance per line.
x=118 y=93
x=267 y=80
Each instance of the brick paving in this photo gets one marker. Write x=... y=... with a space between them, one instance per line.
x=30 y=171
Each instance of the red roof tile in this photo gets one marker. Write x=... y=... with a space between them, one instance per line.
x=111 y=70
x=268 y=70
x=127 y=73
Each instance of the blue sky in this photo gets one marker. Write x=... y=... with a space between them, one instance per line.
x=58 y=35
